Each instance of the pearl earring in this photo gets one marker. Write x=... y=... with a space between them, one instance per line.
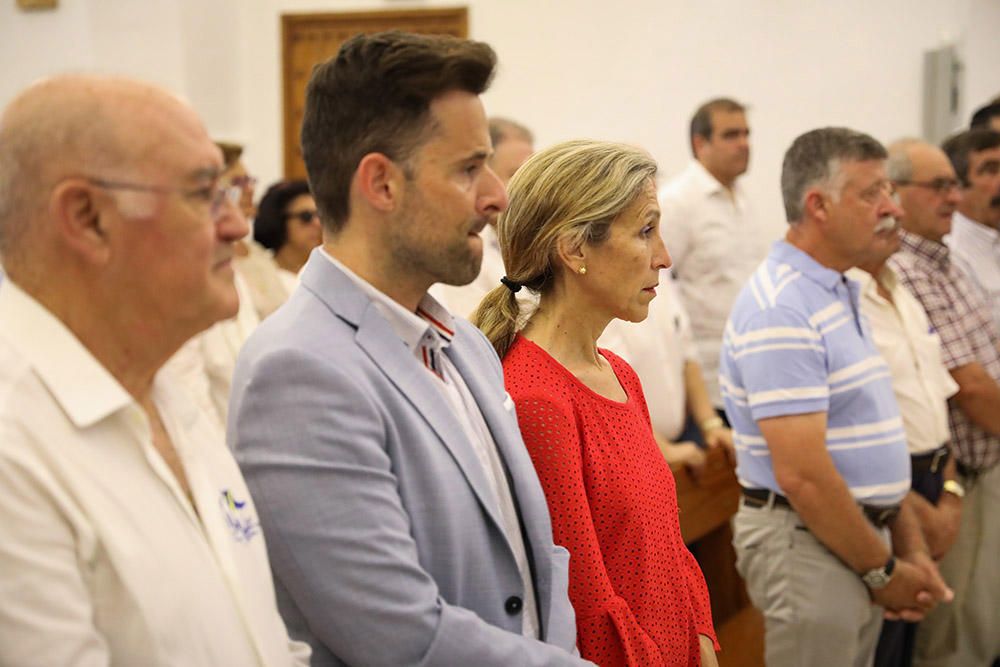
x=582 y=270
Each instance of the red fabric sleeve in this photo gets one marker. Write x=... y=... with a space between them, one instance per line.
x=608 y=632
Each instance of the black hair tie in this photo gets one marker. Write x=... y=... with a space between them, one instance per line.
x=512 y=285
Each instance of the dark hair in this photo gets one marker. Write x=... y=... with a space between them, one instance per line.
x=984 y=114
x=270 y=227
x=815 y=158
x=958 y=147
x=374 y=97
x=701 y=121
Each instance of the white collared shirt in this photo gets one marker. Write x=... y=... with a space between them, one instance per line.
x=658 y=349
x=205 y=364
x=462 y=300
x=976 y=249
x=430 y=333
x=103 y=557
x=903 y=336
x=715 y=245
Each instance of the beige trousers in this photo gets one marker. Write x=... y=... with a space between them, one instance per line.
x=816 y=610
x=966 y=633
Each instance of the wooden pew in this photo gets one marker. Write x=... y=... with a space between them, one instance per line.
x=706 y=507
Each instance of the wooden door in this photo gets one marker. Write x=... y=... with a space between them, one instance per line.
x=309 y=39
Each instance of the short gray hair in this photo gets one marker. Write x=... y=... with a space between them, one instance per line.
x=815 y=158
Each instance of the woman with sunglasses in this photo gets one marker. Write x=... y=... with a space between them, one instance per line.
x=288 y=225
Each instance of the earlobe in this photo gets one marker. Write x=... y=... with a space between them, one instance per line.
x=379 y=181
x=570 y=256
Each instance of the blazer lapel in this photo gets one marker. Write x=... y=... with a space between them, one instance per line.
x=525 y=487
x=377 y=339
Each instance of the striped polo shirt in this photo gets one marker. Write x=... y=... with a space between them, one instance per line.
x=796 y=343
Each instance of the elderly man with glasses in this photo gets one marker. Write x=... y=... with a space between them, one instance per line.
x=964 y=633
x=127 y=534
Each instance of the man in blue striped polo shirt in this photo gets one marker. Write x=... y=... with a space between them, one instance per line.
x=820 y=445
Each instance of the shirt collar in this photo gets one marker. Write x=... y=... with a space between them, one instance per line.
x=869 y=288
x=785 y=253
x=926 y=250
x=962 y=225
x=709 y=185
x=84 y=389
x=431 y=324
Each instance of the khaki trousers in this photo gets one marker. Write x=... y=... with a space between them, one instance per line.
x=817 y=611
x=966 y=633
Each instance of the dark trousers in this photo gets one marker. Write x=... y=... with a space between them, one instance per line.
x=895 y=644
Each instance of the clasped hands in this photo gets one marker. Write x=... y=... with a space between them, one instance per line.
x=915 y=588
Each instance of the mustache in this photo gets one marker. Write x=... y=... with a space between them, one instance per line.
x=888 y=223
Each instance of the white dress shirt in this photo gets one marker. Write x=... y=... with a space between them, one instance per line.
x=976 y=249
x=462 y=300
x=429 y=334
x=903 y=336
x=205 y=364
x=657 y=349
x=715 y=245
x=103 y=557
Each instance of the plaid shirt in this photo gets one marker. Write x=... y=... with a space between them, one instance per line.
x=962 y=320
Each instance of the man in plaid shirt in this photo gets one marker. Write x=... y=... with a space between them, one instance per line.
x=965 y=632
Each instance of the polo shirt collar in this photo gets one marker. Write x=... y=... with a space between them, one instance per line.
x=785 y=253
x=82 y=387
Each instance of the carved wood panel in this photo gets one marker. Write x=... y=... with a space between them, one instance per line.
x=309 y=39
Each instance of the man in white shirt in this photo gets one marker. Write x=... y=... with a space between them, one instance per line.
x=205 y=363
x=663 y=354
x=405 y=519
x=709 y=228
x=922 y=386
x=127 y=535
x=513 y=143
x=975 y=228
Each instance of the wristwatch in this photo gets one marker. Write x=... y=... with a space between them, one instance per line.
x=879 y=577
x=954 y=488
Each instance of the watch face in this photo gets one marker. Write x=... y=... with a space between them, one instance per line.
x=876 y=579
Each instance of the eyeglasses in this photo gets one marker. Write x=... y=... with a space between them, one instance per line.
x=216 y=195
x=305 y=217
x=245 y=182
x=939 y=185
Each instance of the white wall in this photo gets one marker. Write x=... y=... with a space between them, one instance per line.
x=631 y=70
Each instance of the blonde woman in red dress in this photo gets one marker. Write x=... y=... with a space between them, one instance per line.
x=582 y=235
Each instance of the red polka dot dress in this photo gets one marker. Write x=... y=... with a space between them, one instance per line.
x=639 y=595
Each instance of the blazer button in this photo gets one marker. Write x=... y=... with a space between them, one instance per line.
x=513 y=605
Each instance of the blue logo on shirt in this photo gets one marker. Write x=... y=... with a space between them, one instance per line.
x=242 y=523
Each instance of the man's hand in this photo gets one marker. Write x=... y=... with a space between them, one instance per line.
x=940 y=524
x=722 y=437
x=708 y=657
x=937 y=586
x=686 y=454
x=915 y=588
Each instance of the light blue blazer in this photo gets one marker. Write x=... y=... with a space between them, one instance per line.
x=385 y=546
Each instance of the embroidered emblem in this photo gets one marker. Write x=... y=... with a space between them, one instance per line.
x=241 y=521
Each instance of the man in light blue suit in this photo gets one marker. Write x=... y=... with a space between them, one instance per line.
x=405 y=522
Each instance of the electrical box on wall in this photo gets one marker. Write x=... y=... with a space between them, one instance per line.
x=943 y=92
